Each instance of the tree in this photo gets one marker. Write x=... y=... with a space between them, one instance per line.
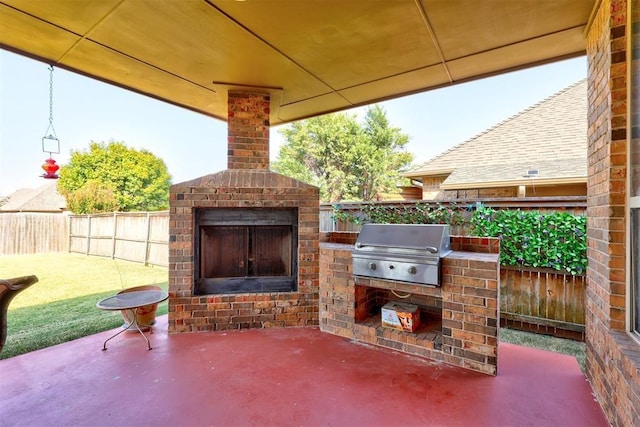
x=93 y=197
x=346 y=159
x=112 y=177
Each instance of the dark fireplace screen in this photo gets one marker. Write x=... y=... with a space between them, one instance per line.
x=246 y=251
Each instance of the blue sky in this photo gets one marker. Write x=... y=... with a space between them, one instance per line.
x=192 y=144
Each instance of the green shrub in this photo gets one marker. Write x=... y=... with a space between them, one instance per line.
x=529 y=238
x=420 y=213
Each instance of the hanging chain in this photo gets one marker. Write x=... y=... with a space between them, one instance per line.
x=50 y=141
x=51 y=95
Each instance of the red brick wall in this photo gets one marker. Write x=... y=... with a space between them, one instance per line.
x=487 y=245
x=248 y=130
x=613 y=357
x=236 y=189
x=346 y=237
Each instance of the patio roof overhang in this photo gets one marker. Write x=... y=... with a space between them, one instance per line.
x=314 y=57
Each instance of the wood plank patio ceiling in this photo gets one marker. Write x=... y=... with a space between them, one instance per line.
x=314 y=56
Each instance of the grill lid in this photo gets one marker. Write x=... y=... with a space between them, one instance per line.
x=411 y=239
x=401 y=252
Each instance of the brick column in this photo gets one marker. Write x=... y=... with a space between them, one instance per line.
x=471 y=311
x=248 y=130
x=612 y=355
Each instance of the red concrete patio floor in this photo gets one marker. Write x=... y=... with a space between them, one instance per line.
x=282 y=377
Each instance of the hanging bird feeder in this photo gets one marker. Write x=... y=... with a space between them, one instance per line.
x=50 y=142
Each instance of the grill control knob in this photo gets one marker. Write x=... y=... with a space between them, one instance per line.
x=413 y=270
x=372 y=266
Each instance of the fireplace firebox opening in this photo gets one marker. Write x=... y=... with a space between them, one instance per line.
x=245 y=250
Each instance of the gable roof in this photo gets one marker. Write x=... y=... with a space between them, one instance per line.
x=550 y=137
x=42 y=199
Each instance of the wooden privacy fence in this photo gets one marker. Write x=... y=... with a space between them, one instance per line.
x=548 y=299
x=132 y=236
x=30 y=233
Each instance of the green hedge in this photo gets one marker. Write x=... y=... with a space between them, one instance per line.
x=419 y=213
x=555 y=240
x=527 y=238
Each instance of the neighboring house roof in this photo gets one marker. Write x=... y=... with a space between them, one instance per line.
x=42 y=199
x=550 y=137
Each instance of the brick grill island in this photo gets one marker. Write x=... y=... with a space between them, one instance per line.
x=194 y=305
x=459 y=320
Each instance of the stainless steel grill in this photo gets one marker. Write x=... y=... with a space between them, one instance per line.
x=402 y=252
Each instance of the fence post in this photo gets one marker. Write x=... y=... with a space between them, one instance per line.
x=70 y=232
x=146 y=239
x=113 y=238
x=88 y=234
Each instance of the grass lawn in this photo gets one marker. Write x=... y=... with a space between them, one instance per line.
x=61 y=306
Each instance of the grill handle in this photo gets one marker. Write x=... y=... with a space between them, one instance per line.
x=431 y=249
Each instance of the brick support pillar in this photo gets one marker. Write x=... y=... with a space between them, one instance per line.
x=612 y=354
x=248 y=130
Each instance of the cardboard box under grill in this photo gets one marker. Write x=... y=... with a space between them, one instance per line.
x=401 y=316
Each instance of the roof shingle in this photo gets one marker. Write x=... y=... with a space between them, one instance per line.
x=550 y=136
x=42 y=199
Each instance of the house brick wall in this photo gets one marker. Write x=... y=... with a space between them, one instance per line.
x=613 y=356
x=461 y=316
x=431 y=191
x=479 y=193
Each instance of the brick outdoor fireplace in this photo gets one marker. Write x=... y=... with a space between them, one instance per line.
x=243 y=245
